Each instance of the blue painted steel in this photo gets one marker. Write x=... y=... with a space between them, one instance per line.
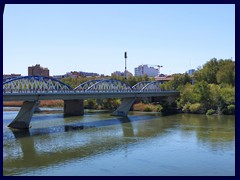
x=84 y=86
x=110 y=85
x=140 y=85
x=152 y=86
x=34 y=83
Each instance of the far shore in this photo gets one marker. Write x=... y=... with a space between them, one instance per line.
x=60 y=103
x=43 y=103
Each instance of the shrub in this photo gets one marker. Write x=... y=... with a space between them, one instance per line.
x=159 y=108
x=186 y=107
x=231 y=109
x=148 y=109
x=195 y=108
x=210 y=112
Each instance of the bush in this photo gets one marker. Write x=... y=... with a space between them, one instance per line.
x=231 y=109
x=195 y=108
x=148 y=109
x=210 y=112
x=186 y=107
x=159 y=108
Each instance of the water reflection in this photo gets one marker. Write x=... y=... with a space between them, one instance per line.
x=213 y=131
x=43 y=147
x=33 y=158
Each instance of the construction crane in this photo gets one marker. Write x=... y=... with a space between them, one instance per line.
x=158 y=67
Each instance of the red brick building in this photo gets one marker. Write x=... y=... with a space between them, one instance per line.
x=37 y=70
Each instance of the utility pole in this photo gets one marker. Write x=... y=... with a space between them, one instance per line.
x=125 y=72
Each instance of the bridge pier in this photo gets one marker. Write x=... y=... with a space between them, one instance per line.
x=73 y=107
x=24 y=116
x=124 y=107
x=37 y=109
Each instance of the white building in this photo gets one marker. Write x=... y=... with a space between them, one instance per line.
x=144 y=69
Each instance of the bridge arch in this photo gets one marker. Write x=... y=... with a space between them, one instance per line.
x=9 y=78
x=110 y=85
x=152 y=86
x=34 y=83
x=140 y=85
x=84 y=86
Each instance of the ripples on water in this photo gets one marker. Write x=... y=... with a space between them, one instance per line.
x=100 y=144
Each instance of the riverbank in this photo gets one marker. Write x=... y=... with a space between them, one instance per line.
x=59 y=103
x=143 y=107
x=43 y=103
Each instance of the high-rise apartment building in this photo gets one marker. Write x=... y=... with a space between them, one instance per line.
x=37 y=70
x=144 y=69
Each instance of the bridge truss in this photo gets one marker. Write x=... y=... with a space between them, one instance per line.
x=34 y=84
x=42 y=84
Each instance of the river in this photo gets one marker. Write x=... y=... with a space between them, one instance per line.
x=97 y=144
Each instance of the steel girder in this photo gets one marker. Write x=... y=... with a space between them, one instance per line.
x=33 y=84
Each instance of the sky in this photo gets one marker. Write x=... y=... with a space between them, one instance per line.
x=94 y=37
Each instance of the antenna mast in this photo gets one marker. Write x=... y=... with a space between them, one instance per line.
x=125 y=72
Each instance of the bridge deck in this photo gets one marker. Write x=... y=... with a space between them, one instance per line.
x=83 y=95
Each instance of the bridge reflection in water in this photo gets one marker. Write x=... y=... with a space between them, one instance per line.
x=74 y=141
x=98 y=141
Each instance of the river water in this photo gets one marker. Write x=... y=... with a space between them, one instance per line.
x=97 y=144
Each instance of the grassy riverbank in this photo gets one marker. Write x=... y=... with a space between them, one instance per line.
x=59 y=103
x=43 y=103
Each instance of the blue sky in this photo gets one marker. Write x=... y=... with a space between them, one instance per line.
x=93 y=38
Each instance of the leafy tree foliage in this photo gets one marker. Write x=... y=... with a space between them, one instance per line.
x=226 y=72
x=217 y=72
x=179 y=80
x=214 y=88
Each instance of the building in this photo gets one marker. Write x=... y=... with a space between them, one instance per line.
x=191 y=71
x=37 y=70
x=72 y=74
x=164 y=78
x=119 y=73
x=88 y=74
x=58 y=77
x=144 y=69
x=11 y=75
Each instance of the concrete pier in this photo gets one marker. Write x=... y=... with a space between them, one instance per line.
x=73 y=107
x=24 y=116
x=124 y=107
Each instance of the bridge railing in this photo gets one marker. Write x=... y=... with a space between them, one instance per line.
x=35 y=91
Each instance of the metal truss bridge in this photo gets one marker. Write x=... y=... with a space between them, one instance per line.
x=32 y=89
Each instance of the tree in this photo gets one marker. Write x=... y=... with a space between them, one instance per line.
x=214 y=96
x=208 y=72
x=226 y=72
x=179 y=80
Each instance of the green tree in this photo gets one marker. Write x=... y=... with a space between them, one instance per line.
x=179 y=80
x=214 y=96
x=226 y=72
x=208 y=72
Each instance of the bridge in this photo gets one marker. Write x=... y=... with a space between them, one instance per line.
x=32 y=89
